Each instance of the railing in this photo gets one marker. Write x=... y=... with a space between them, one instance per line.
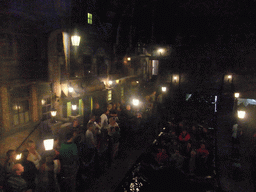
x=36 y=126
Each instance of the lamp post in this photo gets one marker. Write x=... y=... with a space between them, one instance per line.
x=48 y=144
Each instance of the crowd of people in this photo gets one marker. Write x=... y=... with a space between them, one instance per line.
x=187 y=146
x=79 y=150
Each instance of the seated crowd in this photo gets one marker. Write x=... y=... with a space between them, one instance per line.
x=189 y=148
x=93 y=147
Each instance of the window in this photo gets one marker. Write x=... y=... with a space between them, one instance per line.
x=155 y=64
x=122 y=92
x=109 y=95
x=20 y=112
x=20 y=105
x=89 y=15
x=46 y=108
x=81 y=107
x=68 y=109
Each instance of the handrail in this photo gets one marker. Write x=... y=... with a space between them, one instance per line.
x=36 y=126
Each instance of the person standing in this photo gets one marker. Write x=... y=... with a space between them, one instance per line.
x=69 y=160
x=33 y=155
x=114 y=133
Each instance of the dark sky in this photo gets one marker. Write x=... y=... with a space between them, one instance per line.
x=204 y=18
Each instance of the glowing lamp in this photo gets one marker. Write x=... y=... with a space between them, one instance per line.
x=241 y=114
x=237 y=95
x=110 y=82
x=48 y=144
x=43 y=101
x=160 y=51
x=128 y=58
x=74 y=107
x=53 y=112
x=164 y=89
x=18 y=156
x=137 y=81
x=70 y=89
x=75 y=39
x=135 y=102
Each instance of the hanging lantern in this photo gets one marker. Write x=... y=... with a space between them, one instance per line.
x=53 y=112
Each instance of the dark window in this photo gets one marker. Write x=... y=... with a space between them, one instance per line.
x=46 y=108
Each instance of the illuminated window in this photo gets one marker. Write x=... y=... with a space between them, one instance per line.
x=122 y=92
x=21 y=112
x=89 y=15
x=155 y=64
x=69 y=109
x=81 y=107
x=109 y=95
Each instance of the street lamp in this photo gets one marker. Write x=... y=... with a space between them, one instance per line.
x=75 y=39
x=48 y=144
x=236 y=95
x=241 y=114
x=164 y=89
x=135 y=102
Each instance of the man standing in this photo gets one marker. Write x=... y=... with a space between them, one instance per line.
x=69 y=163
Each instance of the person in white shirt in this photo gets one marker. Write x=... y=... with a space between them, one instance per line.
x=104 y=119
x=33 y=155
x=90 y=141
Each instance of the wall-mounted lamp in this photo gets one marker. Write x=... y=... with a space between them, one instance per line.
x=128 y=58
x=160 y=51
x=75 y=39
x=70 y=89
x=43 y=101
x=229 y=78
x=48 y=144
x=164 y=89
x=175 y=79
